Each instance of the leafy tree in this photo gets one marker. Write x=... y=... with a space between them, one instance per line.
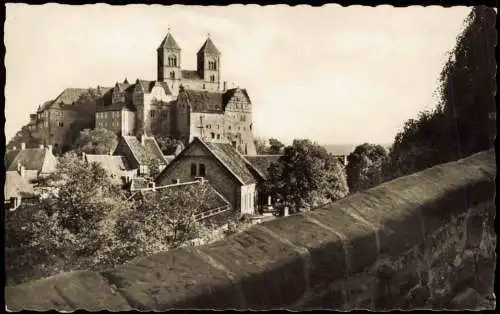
x=163 y=220
x=167 y=144
x=85 y=108
x=261 y=146
x=275 y=146
x=153 y=167
x=365 y=167
x=97 y=141
x=24 y=136
x=306 y=176
x=464 y=121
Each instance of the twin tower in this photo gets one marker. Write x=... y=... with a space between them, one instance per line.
x=205 y=77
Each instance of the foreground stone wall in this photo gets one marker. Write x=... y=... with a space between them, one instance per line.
x=420 y=241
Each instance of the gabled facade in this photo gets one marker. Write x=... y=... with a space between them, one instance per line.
x=221 y=166
x=221 y=117
x=138 y=153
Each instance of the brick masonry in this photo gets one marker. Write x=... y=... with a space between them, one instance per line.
x=421 y=241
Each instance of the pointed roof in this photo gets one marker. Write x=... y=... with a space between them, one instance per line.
x=225 y=154
x=169 y=43
x=209 y=47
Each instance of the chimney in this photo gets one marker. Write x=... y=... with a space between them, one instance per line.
x=18 y=166
x=84 y=155
x=23 y=146
x=225 y=85
x=23 y=171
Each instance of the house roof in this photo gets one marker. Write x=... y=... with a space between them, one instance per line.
x=231 y=159
x=9 y=157
x=209 y=47
x=30 y=158
x=17 y=186
x=190 y=75
x=169 y=43
x=44 y=106
x=112 y=163
x=204 y=191
x=262 y=163
x=69 y=96
x=143 y=153
x=116 y=106
x=208 y=102
x=204 y=101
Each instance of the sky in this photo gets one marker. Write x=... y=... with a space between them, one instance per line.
x=335 y=75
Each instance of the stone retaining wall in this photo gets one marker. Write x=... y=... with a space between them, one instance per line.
x=421 y=241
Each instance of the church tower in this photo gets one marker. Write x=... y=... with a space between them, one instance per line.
x=169 y=62
x=209 y=64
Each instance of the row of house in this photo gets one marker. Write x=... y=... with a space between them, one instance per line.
x=234 y=179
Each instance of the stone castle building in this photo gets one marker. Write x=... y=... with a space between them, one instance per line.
x=181 y=104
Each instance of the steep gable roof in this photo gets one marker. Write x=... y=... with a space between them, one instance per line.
x=208 y=102
x=204 y=101
x=9 y=157
x=169 y=43
x=30 y=158
x=209 y=47
x=225 y=154
x=16 y=185
x=143 y=153
x=70 y=95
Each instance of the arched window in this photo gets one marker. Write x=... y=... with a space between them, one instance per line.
x=212 y=78
x=172 y=76
x=172 y=61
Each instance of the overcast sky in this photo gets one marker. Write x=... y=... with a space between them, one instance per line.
x=332 y=74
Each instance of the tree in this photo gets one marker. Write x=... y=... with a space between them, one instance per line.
x=464 y=121
x=306 y=176
x=85 y=201
x=97 y=141
x=163 y=219
x=260 y=145
x=24 y=136
x=85 y=108
x=153 y=167
x=365 y=167
x=167 y=144
x=275 y=146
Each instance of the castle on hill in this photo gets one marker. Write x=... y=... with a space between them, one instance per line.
x=181 y=104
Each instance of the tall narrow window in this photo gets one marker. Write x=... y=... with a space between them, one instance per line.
x=172 y=76
x=202 y=170
x=193 y=170
x=212 y=134
x=212 y=78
